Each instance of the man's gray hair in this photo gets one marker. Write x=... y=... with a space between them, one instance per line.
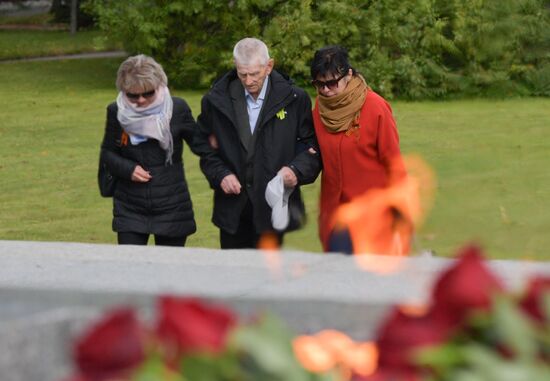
x=250 y=51
x=140 y=71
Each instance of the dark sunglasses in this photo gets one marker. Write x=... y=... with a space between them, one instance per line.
x=331 y=84
x=147 y=94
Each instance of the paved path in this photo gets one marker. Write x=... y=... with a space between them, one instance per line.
x=10 y=9
x=118 y=53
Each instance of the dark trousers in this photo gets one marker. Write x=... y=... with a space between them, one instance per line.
x=340 y=242
x=246 y=236
x=129 y=238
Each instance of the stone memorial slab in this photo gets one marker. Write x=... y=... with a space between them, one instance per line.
x=49 y=291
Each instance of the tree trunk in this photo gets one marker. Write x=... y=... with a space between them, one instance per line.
x=74 y=12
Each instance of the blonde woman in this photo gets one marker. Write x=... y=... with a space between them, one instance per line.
x=142 y=148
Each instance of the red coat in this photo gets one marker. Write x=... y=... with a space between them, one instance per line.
x=356 y=163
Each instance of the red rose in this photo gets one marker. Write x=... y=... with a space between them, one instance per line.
x=532 y=301
x=466 y=286
x=401 y=335
x=389 y=375
x=188 y=325
x=78 y=377
x=112 y=347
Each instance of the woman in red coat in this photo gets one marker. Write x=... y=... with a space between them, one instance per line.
x=356 y=132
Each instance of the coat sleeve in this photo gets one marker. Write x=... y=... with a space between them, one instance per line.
x=305 y=164
x=188 y=126
x=389 y=153
x=212 y=165
x=117 y=165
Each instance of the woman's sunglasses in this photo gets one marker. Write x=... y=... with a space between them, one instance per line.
x=331 y=84
x=147 y=94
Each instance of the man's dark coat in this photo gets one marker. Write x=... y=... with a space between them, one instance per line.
x=282 y=136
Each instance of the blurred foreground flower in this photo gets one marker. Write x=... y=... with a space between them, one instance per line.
x=188 y=325
x=192 y=340
x=470 y=330
x=332 y=350
x=113 y=348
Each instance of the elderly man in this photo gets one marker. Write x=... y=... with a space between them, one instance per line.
x=255 y=125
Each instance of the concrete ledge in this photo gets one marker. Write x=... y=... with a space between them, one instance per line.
x=48 y=291
x=37 y=347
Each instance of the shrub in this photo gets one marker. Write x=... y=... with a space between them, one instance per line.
x=408 y=49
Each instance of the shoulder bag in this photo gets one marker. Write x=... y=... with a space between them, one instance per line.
x=105 y=180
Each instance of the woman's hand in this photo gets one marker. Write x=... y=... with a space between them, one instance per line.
x=140 y=175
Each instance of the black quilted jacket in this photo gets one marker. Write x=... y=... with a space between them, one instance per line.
x=162 y=205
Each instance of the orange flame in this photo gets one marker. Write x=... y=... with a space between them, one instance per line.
x=375 y=264
x=269 y=246
x=383 y=220
x=268 y=241
x=333 y=350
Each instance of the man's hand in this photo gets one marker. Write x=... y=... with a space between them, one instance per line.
x=140 y=175
x=289 y=177
x=231 y=185
x=213 y=141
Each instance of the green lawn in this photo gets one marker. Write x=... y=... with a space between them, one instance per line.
x=491 y=159
x=31 y=43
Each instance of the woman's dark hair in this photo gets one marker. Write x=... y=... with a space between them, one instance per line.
x=330 y=60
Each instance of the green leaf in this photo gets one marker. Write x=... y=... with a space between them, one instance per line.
x=515 y=329
x=441 y=359
x=546 y=306
x=466 y=375
x=490 y=366
x=266 y=352
x=154 y=369
x=209 y=367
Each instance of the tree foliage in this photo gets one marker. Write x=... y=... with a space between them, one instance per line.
x=413 y=49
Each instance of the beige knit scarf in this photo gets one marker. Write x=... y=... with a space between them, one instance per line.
x=341 y=112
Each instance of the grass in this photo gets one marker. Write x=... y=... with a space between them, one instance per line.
x=38 y=43
x=491 y=158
